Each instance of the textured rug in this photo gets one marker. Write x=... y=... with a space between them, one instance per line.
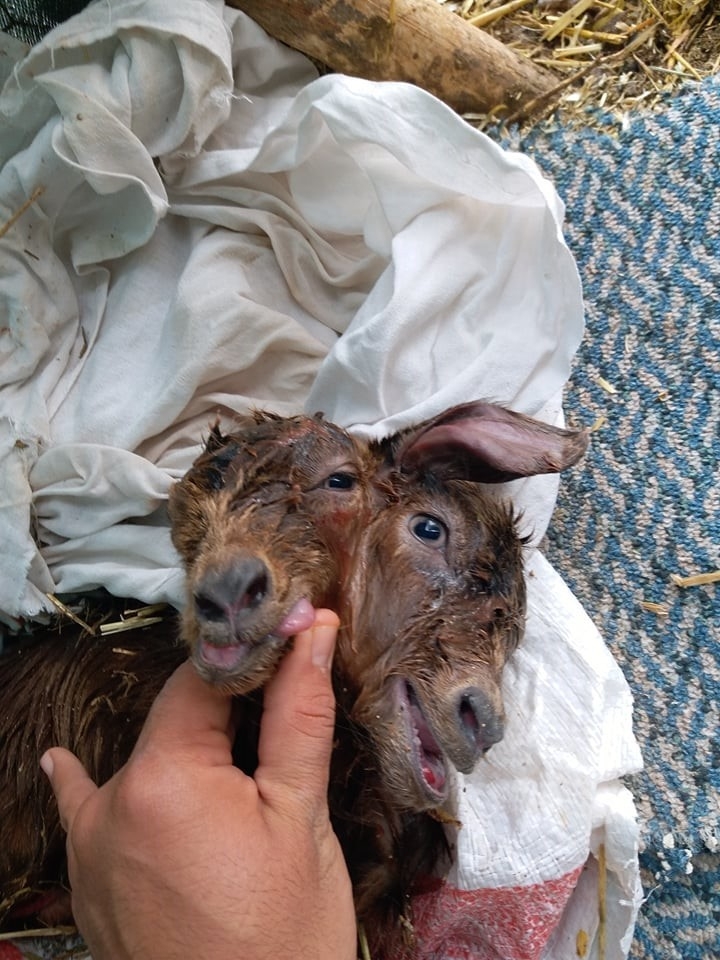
x=643 y=220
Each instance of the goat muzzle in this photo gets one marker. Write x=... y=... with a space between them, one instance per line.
x=479 y=723
x=436 y=739
x=230 y=595
x=240 y=626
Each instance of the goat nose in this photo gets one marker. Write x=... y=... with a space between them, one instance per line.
x=478 y=719
x=228 y=591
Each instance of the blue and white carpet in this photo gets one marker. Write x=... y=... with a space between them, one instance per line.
x=643 y=220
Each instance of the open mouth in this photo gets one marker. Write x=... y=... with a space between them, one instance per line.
x=223 y=657
x=427 y=755
x=227 y=657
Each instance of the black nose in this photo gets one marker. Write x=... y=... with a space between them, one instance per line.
x=229 y=592
x=478 y=719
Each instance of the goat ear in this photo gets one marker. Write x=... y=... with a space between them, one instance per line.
x=486 y=443
x=216 y=439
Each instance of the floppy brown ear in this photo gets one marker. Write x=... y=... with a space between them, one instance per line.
x=486 y=443
x=216 y=439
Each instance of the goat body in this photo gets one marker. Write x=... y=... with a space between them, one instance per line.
x=424 y=568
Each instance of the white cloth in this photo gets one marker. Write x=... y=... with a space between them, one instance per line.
x=213 y=227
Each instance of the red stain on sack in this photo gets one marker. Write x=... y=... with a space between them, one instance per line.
x=8 y=951
x=505 y=923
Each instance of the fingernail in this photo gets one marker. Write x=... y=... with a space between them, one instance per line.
x=323 y=644
x=47 y=765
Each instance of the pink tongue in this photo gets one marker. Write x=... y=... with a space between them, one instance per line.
x=433 y=771
x=301 y=616
x=429 y=775
x=431 y=765
x=224 y=657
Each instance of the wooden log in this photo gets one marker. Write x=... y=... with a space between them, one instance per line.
x=418 y=41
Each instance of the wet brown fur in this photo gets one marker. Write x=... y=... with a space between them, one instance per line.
x=443 y=617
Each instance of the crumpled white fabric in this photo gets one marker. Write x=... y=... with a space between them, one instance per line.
x=205 y=225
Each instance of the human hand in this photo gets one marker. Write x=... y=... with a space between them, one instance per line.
x=182 y=855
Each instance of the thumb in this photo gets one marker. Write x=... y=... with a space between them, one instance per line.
x=298 y=721
x=69 y=781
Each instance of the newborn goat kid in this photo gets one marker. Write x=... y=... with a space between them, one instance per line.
x=424 y=568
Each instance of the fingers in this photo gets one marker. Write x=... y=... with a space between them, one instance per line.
x=298 y=719
x=192 y=715
x=70 y=782
x=323 y=635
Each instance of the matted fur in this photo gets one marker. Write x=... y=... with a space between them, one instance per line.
x=425 y=571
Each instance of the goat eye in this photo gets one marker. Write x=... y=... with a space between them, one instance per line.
x=340 y=481
x=429 y=530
